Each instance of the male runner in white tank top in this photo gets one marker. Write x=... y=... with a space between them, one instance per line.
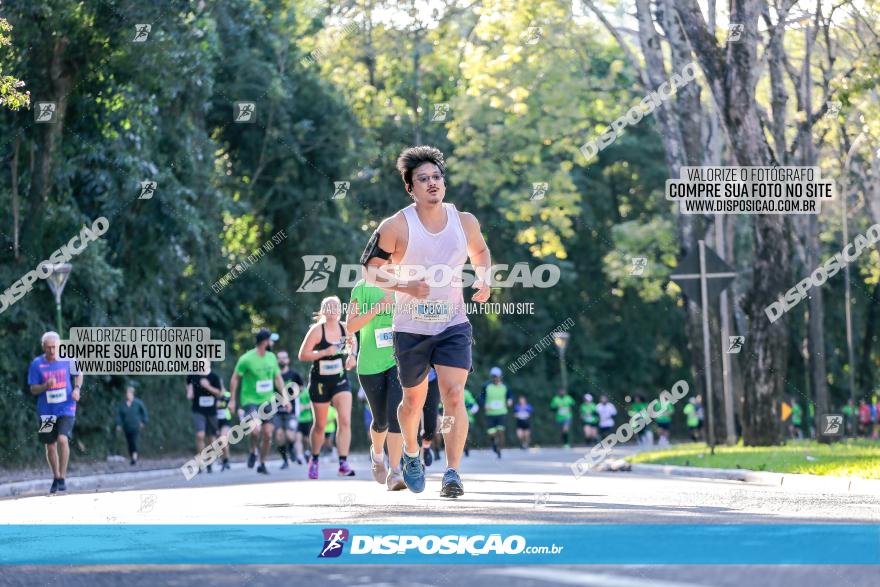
x=430 y=325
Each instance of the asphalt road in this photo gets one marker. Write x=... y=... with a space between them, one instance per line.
x=534 y=487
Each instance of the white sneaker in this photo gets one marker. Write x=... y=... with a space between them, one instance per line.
x=380 y=472
x=395 y=481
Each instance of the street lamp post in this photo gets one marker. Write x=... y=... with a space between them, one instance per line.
x=846 y=284
x=561 y=340
x=57 y=280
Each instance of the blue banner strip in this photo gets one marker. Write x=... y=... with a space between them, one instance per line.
x=816 y=544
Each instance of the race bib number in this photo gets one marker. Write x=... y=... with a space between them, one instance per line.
x=384 y=338
x=496 y=404
x=431 y=312
x=206 y=401
x=221 y=415
x=264 y=386
x=332 y=367
x=56 y=396
x=47 y=423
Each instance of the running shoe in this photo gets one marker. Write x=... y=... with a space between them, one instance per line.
x=429 y=458
x=395 y=481
x=345 y=470
x=452 y=486
x=262 y=469
x=62 y=486
x=210 y=470
x=413 y=473
x=54 y=488
x=313 y=469
x=225 y=466
x=252 y=460
x=285 y=465
x=380 y=472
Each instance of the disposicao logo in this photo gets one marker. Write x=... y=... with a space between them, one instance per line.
x=334 y=540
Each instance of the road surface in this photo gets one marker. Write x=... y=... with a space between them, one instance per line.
x=524 y=487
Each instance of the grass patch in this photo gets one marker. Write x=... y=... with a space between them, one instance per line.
x=850 y=458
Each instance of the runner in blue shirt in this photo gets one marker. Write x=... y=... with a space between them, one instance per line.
x=49 y=380
x=523 y=413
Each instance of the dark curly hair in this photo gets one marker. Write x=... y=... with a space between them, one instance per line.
x=415 y=156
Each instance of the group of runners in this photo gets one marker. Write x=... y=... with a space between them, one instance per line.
x=410 y=341
x=427 y=328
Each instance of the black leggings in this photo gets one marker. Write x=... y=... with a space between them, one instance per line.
x=384 y=394
x=131 y=436
x=429 y=412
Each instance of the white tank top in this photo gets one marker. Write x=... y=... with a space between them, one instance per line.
x=444 y=307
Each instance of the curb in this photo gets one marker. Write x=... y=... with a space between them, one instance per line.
x=98 y=481
x=89 y=482
x=793 y=481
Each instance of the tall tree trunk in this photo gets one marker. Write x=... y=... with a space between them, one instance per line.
x=733 y=86
x=816 y=324
x=61 y=80
x=15 y=203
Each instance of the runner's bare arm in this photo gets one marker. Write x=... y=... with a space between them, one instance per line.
x=279 y=386
x=233 y=389
x=478 y=253
x=206 y=383
x=357 y=320
x=392 y=238
x=189 y=390
x=307 y=354
x=38 y=388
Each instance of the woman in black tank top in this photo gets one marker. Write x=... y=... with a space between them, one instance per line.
x=328 y=382
x=329 y=370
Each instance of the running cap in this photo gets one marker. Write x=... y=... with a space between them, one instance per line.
x=265 y=334
x=495 y=372
x=588 y=397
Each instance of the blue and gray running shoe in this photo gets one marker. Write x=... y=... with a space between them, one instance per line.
x=413 y=473
x=452 y=486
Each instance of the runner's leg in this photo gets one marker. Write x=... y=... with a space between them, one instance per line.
x=52 y=459
x=409 y=415
x=266 y=430
x=452 y=381
x=429 y=414
x=342 y=402
x=316 y=438
x=394 y=439
x=63 y=455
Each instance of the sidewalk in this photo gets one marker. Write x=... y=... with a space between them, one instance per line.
x=793 y=481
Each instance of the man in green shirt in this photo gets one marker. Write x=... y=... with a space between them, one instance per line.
x=370 y=314
x=304 y=425
x=257 y=375
x=692 y=413
x=797 y=415
x=590 y=418
x=635 y=411
x=664 y=422
x=562 y=404
x=496 y=399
